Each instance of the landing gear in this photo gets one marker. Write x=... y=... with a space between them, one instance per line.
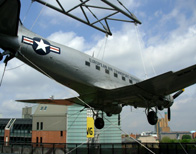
x=99 y=123
x=152 y=117
x=9 y=55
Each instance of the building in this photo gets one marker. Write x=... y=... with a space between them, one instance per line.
x=76 y=127
x=49 y=124
x=57 y=124
x=15 y=130
x=162 y=125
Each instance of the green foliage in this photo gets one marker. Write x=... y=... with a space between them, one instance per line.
x=165 y=140
x=186 y=137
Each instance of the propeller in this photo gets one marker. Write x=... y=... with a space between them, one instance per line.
x=174 y=97
x=178 y=93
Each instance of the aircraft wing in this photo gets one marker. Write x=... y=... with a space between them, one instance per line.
x=49 y=101
x=159 y=86
x=170 y=82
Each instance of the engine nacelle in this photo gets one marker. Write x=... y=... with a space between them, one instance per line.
x=112 y=109
x=170 y=101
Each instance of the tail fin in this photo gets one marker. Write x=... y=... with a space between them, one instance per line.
x=9 y=17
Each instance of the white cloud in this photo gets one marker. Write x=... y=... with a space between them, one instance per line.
x=26 y=83
x=69 y=39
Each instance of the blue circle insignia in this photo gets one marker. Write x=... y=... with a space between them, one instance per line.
x=41 y=46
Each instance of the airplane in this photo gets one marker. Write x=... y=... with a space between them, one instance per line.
x=100 y=86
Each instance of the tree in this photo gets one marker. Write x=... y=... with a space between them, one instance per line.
x=165 y=139
x=186 y=137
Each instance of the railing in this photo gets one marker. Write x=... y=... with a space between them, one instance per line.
x=121 y=148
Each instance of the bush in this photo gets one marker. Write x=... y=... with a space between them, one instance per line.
x=165 y=140
x=186 y=137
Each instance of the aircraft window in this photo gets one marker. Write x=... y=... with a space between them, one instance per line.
x=87 y=63
x=107 y=71
x=41 y=108
x=45 y=108
x=115 y=75
x=97 y=67
x=130 y=81
x=123 y=78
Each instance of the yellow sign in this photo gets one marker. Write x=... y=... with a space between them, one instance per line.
x=90 y=127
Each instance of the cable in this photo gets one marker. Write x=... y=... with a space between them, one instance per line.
x=3 y=74
x=27 y=12
x=131 y=137
x=74 y=121
x=103 y=130
x=153 y=65
x=142 y=58
x=15 y=67
x=105 y=45
x=38 y=17
x=81 y=101
x=172 y=130
x=53 y=79
x=103 y=42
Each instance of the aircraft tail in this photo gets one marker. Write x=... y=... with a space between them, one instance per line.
x=9 y=17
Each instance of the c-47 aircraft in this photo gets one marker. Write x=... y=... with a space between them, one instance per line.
x=101 y=86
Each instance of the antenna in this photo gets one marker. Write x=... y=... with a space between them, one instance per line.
x=100 y=24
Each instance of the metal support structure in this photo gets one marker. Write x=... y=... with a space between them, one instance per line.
x=86 y=9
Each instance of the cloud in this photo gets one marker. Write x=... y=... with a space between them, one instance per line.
x=26 y=83
x=174 y=51
x=69 y=39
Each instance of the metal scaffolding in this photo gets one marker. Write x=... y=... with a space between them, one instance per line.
x=100 y=24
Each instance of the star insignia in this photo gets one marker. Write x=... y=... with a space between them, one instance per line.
x=41 y=45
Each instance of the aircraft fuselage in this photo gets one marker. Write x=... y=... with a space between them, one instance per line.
x=69 y=66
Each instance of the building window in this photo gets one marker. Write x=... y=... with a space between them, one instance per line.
x=40 y=139
x=41 y=126
x=37 y=139
x=130 y=81
x=61 y=133
x=115 y=75
x=37 y=125
x=97 y=67
x=123 y=78
x=107 y=71
x=87 y=63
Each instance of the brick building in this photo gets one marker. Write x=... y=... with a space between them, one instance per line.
x=56 y=124
x=49 y=124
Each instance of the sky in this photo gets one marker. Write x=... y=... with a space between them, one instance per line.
x=165 y=41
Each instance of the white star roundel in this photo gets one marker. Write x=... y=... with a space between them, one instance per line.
x=41 y=46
